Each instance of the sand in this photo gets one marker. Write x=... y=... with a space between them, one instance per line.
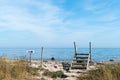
x=56 y=66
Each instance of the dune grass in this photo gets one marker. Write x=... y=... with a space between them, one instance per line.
x=16 y=70
x=104 y=72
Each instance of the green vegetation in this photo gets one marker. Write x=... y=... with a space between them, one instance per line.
x=47 y=73
x=57 y=74
x=16 y=70
x=33 y=71
x=53 y=74
x=42 y=78
x=104 y=72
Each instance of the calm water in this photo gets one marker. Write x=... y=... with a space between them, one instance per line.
x=98 y=54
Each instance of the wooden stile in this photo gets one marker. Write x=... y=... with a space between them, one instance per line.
x=81 y=60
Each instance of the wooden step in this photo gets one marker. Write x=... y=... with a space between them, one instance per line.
x=80 y=59
x=77 y=58
x=82 y=54
x=79 y=63
x=78 y=67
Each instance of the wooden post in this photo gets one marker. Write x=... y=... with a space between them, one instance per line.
x=41 y=56
x=30 y=58
x=90 y=51
x=30 y=52
x=75 y=47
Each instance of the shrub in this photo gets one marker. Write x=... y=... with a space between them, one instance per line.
x=57 y=74
x=53 y=74
x=42 y=78
x=47 y=73
x=33 y=71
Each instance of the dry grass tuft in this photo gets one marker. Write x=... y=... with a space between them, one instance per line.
x=15 y=70
x=104 y=72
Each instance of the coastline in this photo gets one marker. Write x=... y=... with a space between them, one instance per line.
x=49 y=67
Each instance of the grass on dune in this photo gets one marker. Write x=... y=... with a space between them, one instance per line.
x=104 y=72
x=16 y=70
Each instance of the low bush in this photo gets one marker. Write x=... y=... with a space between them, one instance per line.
x=47 y=73
x=53 y=74
x=33 y=71
x=57 y=74
x=42 y=78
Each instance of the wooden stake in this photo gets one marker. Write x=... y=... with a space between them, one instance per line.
x=90 y=51
x=30 y=58
x=30 y=52
x=41 y=56
x=75 y=47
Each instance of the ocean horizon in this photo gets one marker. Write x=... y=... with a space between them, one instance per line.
x=63 y=54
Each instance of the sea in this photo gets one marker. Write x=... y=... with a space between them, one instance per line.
x=62 y=54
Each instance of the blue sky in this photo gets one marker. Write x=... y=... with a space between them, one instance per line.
x=58 y=23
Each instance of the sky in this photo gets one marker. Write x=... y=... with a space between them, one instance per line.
x=58 y=23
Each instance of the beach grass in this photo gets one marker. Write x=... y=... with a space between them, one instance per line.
x=47 y=73
x=103 y=72
x=16 y=70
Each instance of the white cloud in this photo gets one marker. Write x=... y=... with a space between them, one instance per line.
x=43 y=23
x=51 y=23
x=18 y=18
